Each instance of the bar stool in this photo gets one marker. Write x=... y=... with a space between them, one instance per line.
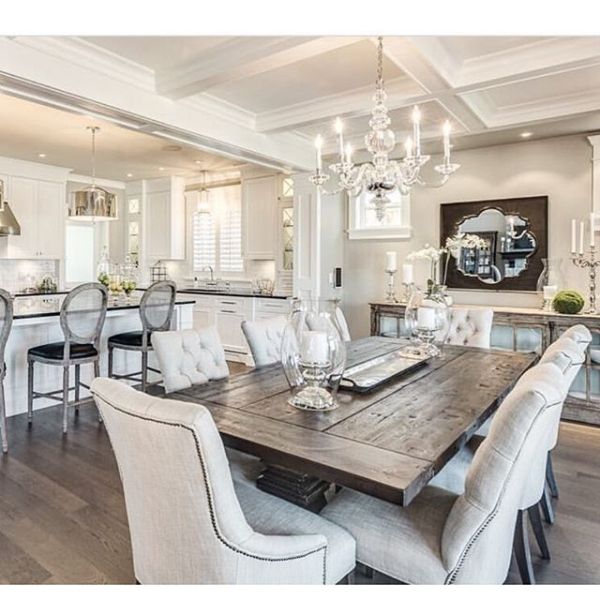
x=6 y=319
x=82 y=317
x=156 y=313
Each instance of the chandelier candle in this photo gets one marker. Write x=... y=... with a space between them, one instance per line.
x=382 y=176
x=589 y=262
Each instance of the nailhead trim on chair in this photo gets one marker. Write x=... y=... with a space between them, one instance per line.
x=213 y=519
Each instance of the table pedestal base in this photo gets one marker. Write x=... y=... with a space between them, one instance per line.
x=299 y=488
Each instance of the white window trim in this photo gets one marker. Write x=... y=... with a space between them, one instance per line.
x=355 y=232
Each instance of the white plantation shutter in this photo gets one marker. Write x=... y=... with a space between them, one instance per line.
x=204 y=241
x=217 y=233
x=230 y=255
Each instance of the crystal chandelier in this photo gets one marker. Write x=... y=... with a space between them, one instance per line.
x=382 y=175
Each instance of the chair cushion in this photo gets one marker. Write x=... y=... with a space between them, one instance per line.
x=56 y=350
x=129 y=338
x=245 y=468
x=402 y=542
x=269 y=515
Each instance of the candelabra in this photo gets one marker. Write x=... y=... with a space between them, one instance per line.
x=391 y=294
x=590 y=262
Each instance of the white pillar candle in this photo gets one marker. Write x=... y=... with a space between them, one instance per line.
x=407 y=273
x=314 y=347
x=426 y=318
x=416 y=119
x=339 y=127
x=391 y=261
x=581 y=231
x=446 y=130
x=318 y=146
x=573 y=236
x=549 y=291
x=592 y=231
x=408 y=146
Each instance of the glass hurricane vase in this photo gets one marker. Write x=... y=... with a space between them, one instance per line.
x=550 y=281
x=313 y=354
x=427 y=319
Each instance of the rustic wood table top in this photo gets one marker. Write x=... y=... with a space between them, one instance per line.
x=388 y=443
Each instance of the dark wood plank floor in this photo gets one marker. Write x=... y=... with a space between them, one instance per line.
x=63 y=520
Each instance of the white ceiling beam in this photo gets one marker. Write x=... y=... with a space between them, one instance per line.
x=240 y=58
x=352 y=103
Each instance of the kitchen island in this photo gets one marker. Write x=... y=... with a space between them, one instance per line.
x=36 y=322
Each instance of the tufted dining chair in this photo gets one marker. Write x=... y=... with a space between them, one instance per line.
x=187 y=521
x=470 y=327
x=567 y=356
x=189 y=357
x=6 y=320
x=264 y=338
x=444 y=537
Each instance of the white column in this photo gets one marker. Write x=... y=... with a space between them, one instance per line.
x=594 y=140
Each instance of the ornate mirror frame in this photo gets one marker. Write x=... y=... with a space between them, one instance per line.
x=534 y=210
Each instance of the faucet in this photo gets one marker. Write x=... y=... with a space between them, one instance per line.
x=212 y=275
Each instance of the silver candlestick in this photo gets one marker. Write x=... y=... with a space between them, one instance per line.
x=391 y=293
x=590 y=262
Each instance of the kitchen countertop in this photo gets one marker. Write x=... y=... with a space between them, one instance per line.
x=31 y=308
x=233 y=292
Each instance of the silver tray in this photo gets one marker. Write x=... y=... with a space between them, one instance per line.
x=377 y=371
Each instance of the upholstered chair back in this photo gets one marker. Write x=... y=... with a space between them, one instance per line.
x=477 y=537
x=470 y=327
x=185 y=520
x=264 y=338
x=580 y=334
x=316 y=323
x=189 y=357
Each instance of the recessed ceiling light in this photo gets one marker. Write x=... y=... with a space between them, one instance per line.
x=41 y=155
x=129 y=174
x=161 y=168
x=526 y=134
x=198 y=162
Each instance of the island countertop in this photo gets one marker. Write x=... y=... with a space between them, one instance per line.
x=31 y=307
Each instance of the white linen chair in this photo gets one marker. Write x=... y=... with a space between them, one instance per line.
x=264 y=338
x=567 y=356
x=185 y=520
x=189 y=357
x=470 y=327
x=442 y=537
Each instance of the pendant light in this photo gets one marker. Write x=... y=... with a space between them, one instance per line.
x=93 y=203
x=203 y=204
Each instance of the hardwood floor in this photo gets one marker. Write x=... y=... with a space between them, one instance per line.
x=63 y=520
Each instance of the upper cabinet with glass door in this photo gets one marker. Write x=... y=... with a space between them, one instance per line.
x=285 y=250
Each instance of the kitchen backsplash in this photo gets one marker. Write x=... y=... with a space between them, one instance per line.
x=17 y=274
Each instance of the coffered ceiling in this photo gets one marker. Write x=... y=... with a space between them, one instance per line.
x=270 y=94
x=298 y=84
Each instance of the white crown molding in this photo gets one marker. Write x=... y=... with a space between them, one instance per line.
x=25 y=168
x=207 y=103
x=87 y=180
x=401 y=92
x=85 y=54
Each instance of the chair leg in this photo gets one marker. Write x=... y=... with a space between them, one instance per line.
x=144 y=370
x=550 y=477
x=522 y=550
x=97 y=374
x=3 y=432
x=349 y=579
x=546 y=506
x=538 y=530
x=30 y=392
x=77 y=380
x=65 y=398
x=110 y=361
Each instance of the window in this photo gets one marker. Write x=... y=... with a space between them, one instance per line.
x=363 y=222
x=217 y=232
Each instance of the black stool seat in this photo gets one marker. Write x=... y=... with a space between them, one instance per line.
x=129 y=338
x=56 y=351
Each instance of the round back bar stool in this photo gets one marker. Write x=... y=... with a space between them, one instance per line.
x=82 y=317
x=6 y=319
x=156 y=313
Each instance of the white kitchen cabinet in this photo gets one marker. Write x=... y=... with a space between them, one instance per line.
x=259 y=214
x=164 y=219
x=39 y=207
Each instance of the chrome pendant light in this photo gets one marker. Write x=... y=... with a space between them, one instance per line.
x=93 y=203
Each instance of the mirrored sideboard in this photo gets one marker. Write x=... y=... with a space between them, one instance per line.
x=524 y=330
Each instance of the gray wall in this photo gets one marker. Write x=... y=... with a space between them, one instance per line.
x=558 y=167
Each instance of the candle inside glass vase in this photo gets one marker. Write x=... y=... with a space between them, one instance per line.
x=314 y=348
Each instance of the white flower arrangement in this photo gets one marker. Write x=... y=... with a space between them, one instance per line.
x=459 y=241
x=426 y=253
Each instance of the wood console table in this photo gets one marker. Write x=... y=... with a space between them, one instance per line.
x=524 y=329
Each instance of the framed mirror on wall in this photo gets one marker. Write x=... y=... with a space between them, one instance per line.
x=513 y=240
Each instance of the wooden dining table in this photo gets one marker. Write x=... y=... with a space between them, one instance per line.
x=387 y=443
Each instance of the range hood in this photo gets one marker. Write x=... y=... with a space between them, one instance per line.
x=8 y=223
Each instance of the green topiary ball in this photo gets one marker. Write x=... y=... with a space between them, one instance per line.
x=568 y=302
